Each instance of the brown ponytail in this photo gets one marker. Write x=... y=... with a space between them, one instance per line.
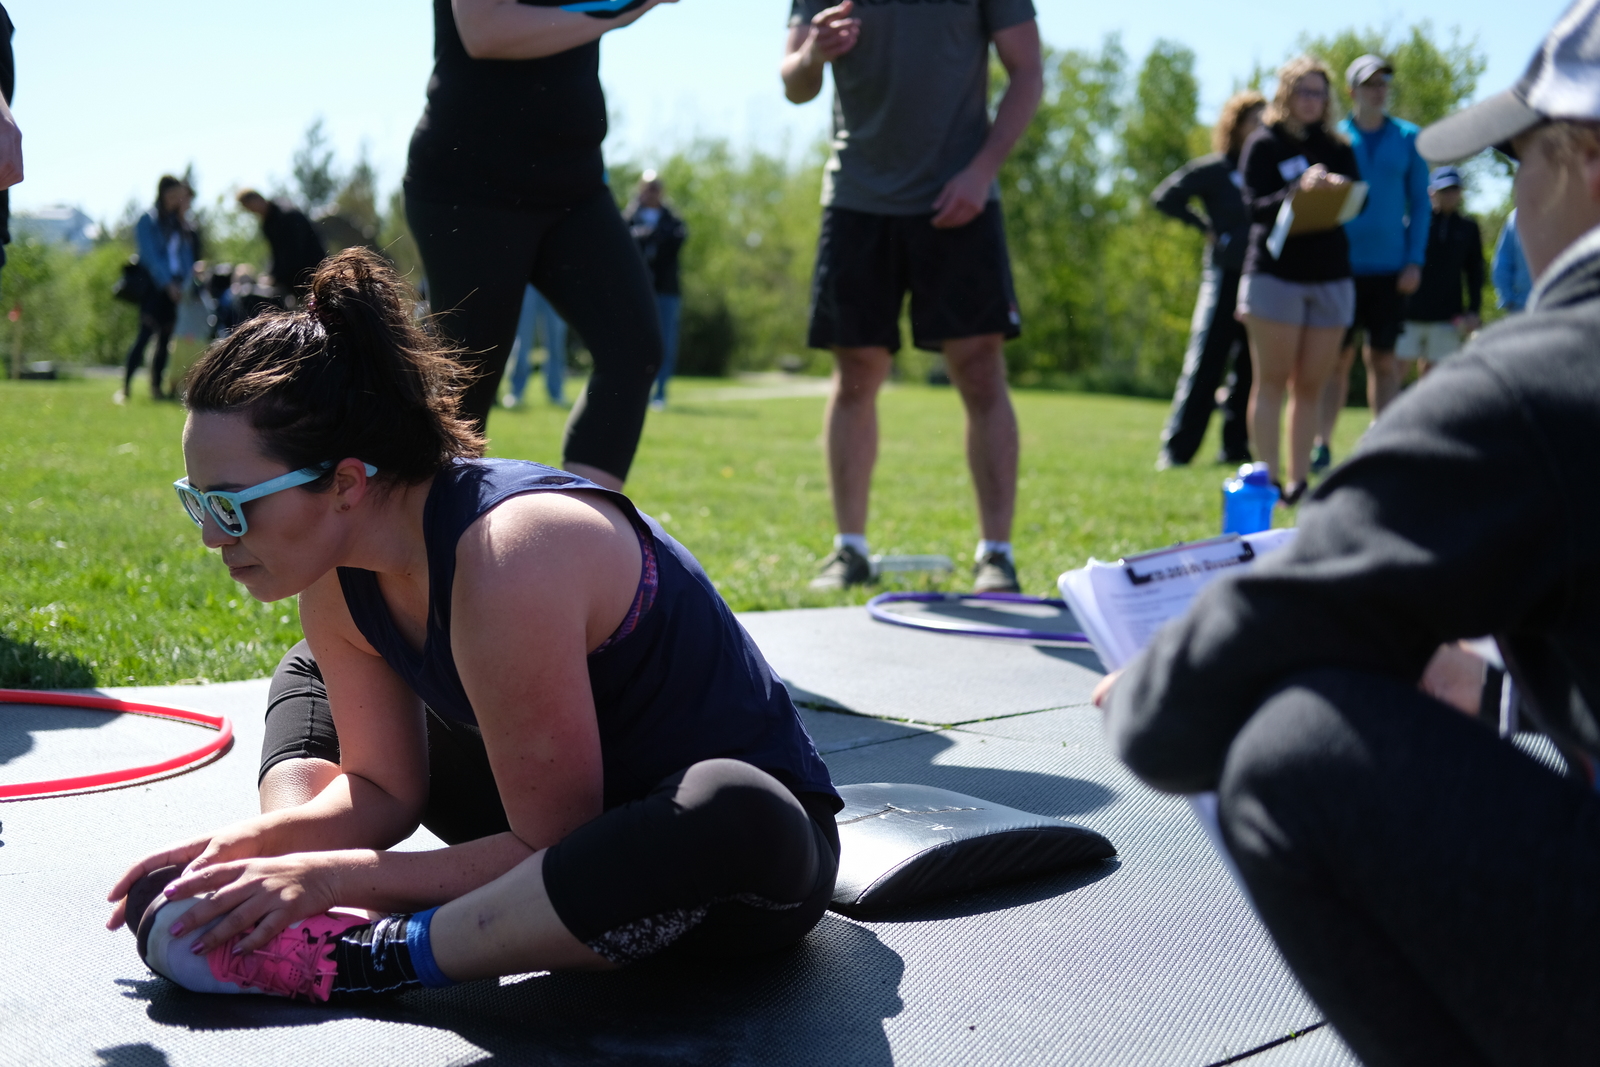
x=349 y=374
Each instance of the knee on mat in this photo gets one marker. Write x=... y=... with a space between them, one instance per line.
x=1298 y=752
x=751 y=827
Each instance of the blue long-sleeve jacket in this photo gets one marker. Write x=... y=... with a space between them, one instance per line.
x=1391 y=233
x=1512 y=282
x=153 y=236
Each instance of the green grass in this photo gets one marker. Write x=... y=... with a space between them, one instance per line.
x=103 y=580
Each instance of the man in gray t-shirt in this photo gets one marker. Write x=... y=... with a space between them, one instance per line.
x=910 y=203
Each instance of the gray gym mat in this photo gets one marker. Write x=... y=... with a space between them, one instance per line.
x=1151 y=958
x=841 y=657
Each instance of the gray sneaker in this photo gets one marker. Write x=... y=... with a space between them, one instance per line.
x=995 y=573
x=846 y=567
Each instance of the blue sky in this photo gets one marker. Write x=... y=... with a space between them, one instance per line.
x=110 y=95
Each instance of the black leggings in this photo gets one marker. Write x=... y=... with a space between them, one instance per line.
x=158 y=315
x=720 y=859
x=479 y=260
x=1435 y=890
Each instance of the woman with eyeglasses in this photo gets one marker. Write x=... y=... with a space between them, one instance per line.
x=1296 y=304
x=505 y=653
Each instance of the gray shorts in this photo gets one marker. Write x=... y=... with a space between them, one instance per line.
x=1431 y=341
x=1298 y=303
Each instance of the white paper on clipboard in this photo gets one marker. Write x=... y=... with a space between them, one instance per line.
x=1121 y=605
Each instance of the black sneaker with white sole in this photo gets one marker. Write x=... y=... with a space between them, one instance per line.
x=995 y=573
x=846 y=567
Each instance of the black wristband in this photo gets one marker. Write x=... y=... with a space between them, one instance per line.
x=1489 y=697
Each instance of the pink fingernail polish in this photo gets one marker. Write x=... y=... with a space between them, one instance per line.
x=169 y=890
x=197 y=948
x=176 y=929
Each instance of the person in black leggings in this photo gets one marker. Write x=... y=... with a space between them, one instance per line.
x=1432 y=886
x=506 y=653
x=505 y=185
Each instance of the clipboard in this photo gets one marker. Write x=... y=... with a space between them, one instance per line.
x=1316 y=211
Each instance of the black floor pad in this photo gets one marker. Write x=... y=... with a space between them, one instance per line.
x=1153 y=958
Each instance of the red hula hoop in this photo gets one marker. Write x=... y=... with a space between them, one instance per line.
x=83 y=783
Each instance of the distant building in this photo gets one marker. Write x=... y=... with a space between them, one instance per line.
x=58 y=224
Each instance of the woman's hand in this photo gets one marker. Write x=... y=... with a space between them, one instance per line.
x=1102 y=690
x=267 y=893
x=1455 y=676
x=1318 y=176
x=241 y=839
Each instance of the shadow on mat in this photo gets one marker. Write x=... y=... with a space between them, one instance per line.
x=1082 y=657
x=999 y=898
x=143 y=1055
x=822 y=1002
x=25 y=665
x=19 y=722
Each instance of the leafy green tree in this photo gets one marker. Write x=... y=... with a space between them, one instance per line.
x=1431 y=77
x=313 y=169
x=1158 y=136
x=1061 y=208
x=357 y=198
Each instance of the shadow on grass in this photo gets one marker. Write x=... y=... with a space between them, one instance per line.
x=25 y=665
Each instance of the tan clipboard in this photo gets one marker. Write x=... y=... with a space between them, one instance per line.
x=1326 y=206
x=1315 y=211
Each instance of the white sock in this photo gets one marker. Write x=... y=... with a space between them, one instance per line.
x=986 y=547
x=855 y=541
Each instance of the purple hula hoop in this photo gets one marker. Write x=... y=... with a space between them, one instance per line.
x=876 y=610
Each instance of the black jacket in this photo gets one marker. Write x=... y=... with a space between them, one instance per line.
x=1215 y=179
x=1455 y=254
x=1471 y=507
x=659 y=245
x=1308 y=257
x=296 y=247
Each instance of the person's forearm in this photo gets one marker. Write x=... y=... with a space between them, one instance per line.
x=505 y=29
x=350 y=812
x=411 y=881
x=1011 y=118
x=802 y=74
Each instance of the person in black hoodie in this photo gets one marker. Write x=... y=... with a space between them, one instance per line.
x=1297 y=304
x=296 y=246
x=1215 y=335
x=1430 y=884
x=1437 y=316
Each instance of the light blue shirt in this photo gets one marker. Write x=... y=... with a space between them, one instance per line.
x=1512 y=282
x=1391 y=233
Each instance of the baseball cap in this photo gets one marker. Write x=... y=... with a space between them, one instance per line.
x=1365 y=67
x=1561 y=82
x=1444 y=178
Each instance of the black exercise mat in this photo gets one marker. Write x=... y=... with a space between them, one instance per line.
x=1151 y=958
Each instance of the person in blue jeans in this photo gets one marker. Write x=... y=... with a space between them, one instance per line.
x=538 y=317
x=1512 y=281
x=660 y=234
x=166 y=244
x=1388 y=243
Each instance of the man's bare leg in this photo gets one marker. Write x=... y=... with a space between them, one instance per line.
x=978 y=370
x=1384 y=374
x=850 y=430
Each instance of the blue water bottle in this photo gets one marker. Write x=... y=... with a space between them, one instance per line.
x=1248 y=500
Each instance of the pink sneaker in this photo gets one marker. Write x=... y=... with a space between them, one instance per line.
x=296 y=963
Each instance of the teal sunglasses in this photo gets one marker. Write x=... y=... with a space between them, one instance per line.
x=228 y=508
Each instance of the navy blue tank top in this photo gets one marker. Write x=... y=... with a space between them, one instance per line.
x=687 y=684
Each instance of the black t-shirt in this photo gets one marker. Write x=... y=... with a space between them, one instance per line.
x=521 y=133
x=1272 y=161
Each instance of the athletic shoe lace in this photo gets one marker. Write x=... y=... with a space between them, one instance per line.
x=296 y=963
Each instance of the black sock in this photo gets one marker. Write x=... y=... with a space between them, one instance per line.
x=374 y=958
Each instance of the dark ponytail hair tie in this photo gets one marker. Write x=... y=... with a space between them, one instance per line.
x=326 y=316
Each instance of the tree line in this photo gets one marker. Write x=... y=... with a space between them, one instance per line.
x=1106 y=284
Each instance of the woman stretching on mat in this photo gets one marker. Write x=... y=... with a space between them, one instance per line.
x=505 y=653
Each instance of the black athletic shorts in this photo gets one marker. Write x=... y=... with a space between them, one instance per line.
x=960 y=280
x=1380 y=311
